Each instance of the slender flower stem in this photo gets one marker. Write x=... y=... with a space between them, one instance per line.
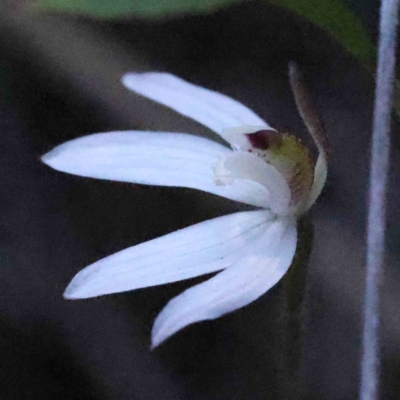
x=293 y=314
x=376 y=213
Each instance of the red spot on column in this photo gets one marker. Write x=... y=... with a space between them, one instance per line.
x=265 y=139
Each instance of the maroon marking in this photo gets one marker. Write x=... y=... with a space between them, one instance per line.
x=264 y=139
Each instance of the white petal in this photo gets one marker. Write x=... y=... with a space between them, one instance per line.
x=320 y=174
x=152 y=158
x=200 y=249
x=264 y=264
x=242 y=165
x=212 y=109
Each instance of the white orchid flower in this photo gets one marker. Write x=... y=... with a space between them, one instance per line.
x=253 y=249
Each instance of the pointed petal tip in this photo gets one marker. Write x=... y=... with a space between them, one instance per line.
x=131 y=79
x=47 y=158
x=154 y=345
x=71 y=293
x=70 y=298
x=58 y=158
x=159 y=336
x=156 y=338
x=165 y=327
x=80 y=288
x=264 y=265
x=126 y=77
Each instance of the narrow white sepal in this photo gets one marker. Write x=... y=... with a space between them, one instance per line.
x=264 y=264
x=199 y=249
x=320 y=174
x=152 y=158
x=212 y=109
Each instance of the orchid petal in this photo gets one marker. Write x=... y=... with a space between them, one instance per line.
x=320 y=175
x=242 y=165
x=152 y=158
x=264 y=264
x=199 y=249
x=212 y=109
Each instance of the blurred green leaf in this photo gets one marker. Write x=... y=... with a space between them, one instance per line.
x=123 y=8
x=335 y=17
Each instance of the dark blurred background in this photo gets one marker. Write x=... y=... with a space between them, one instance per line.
x=60 y=80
